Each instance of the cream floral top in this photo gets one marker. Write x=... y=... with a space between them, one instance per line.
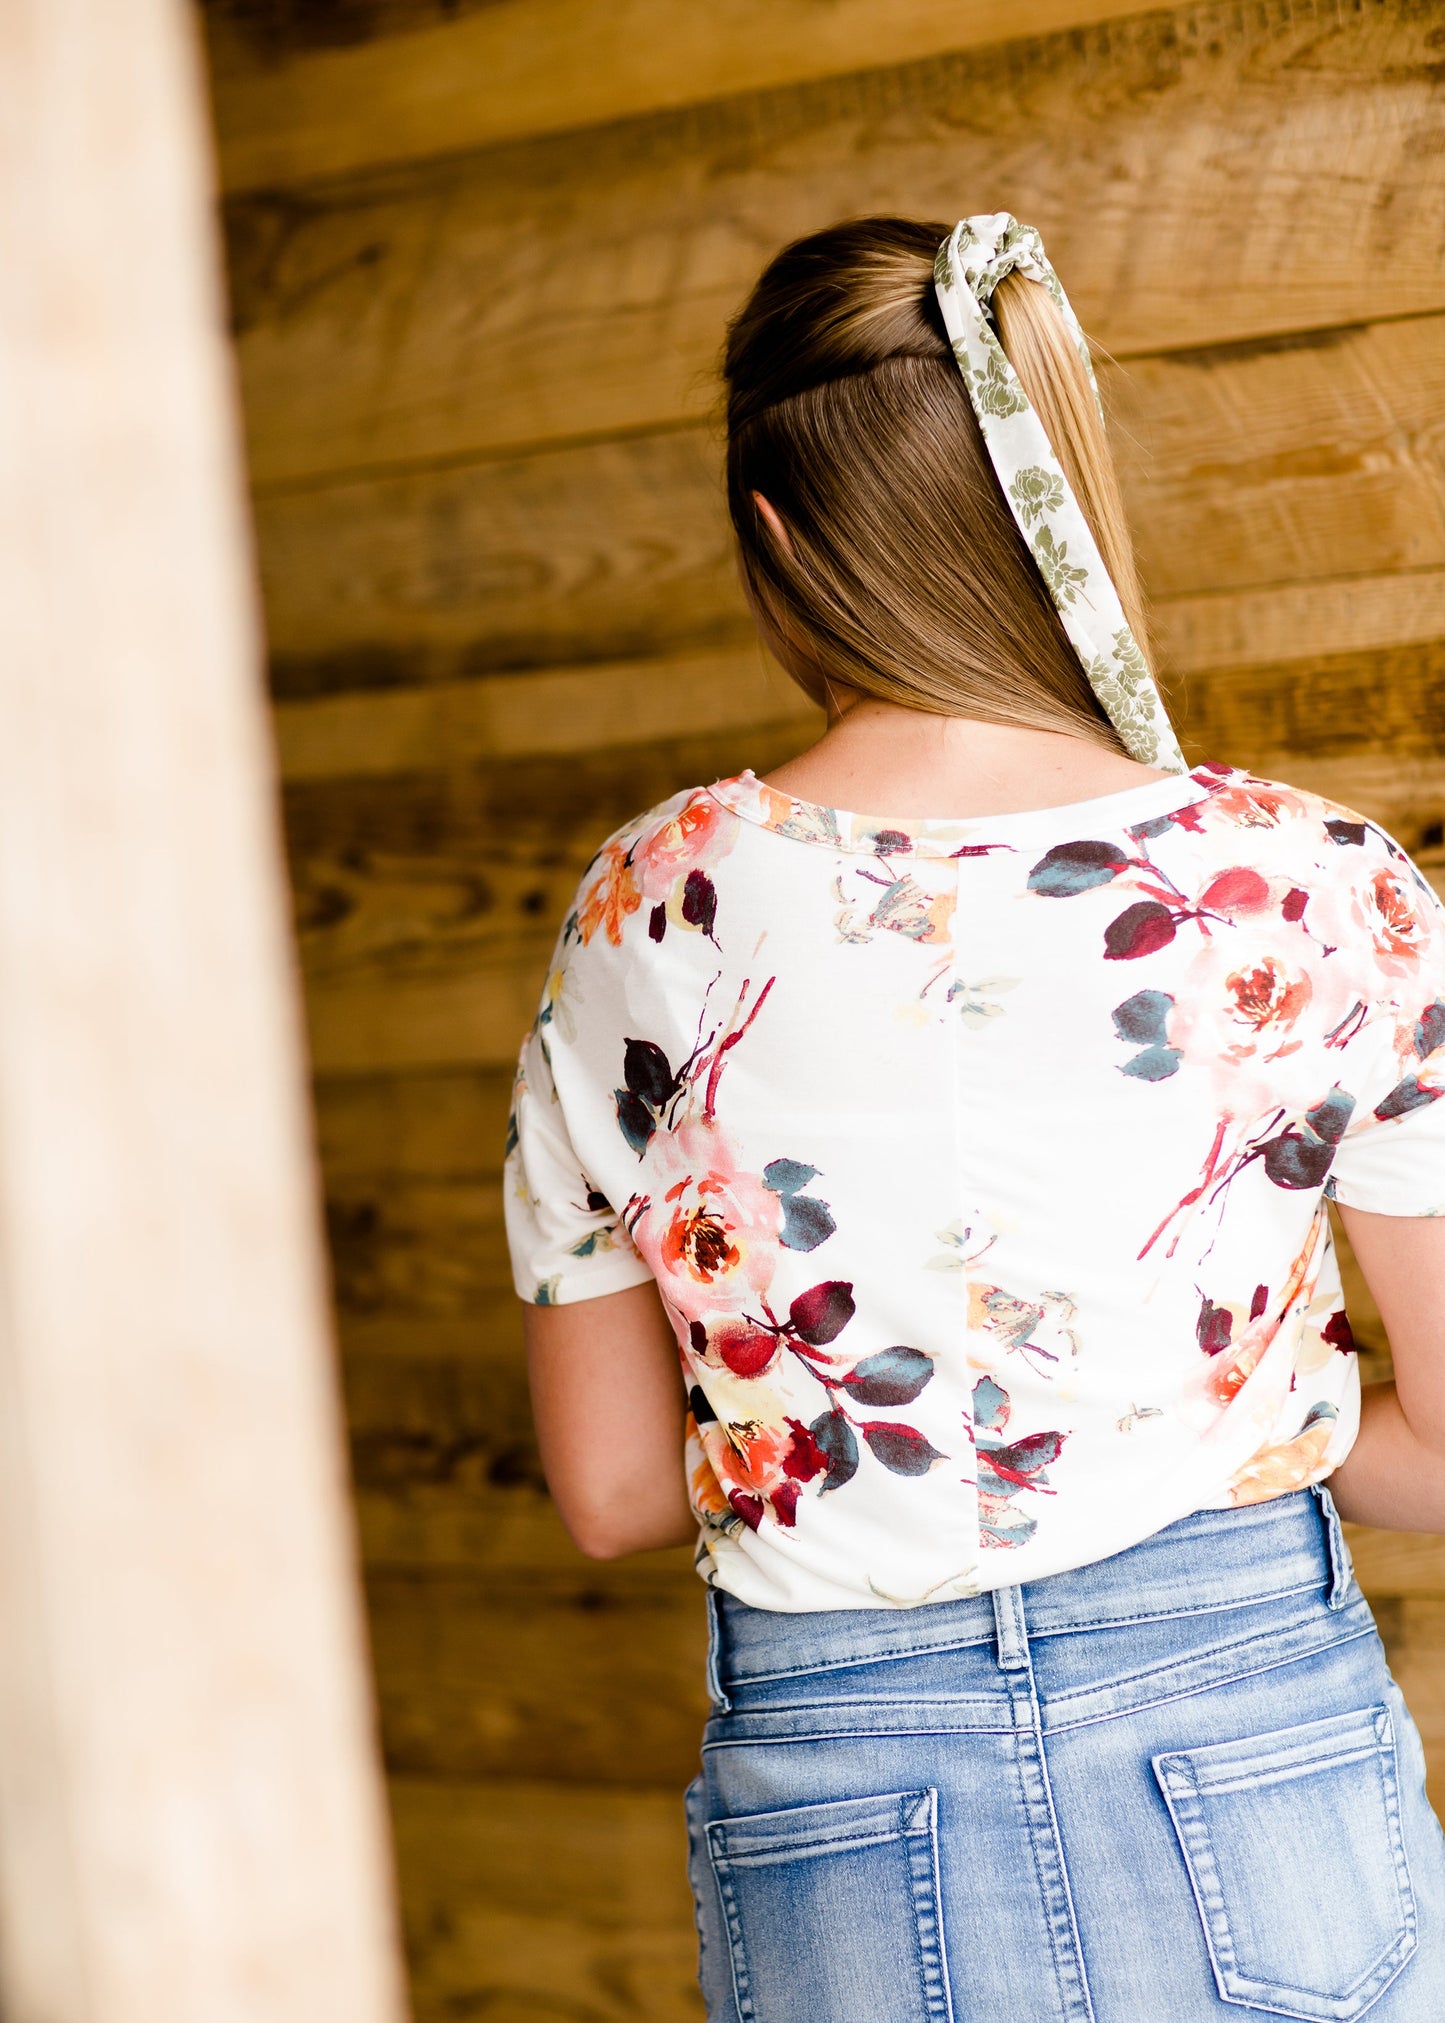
x=982 y=1165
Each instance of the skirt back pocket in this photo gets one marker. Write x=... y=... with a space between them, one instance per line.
x=1294 y=1850
x=832 y=1911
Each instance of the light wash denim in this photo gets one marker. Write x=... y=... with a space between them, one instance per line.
x=1176 y=1785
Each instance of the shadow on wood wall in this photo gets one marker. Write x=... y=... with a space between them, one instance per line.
x=480 y=261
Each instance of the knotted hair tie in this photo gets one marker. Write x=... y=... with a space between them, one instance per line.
x=971 y=262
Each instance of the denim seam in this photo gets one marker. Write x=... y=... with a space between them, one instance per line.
x=936 y=1649
x=879 y=1732
x=717 y=1693
x=1209 y=1686
x=1236 y=1644
x=1042 y=1826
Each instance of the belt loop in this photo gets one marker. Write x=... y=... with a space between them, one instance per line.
x=1341 y=1570
x=715 y=1691
x=1010 y=1630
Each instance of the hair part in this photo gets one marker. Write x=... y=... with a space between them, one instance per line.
x=904 y=574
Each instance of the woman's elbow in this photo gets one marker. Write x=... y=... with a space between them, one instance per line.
x=597 y=1536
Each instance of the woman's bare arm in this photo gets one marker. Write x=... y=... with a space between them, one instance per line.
x=1394 y=1476
x=608 y=1399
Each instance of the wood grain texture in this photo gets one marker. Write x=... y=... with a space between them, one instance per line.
x=600 y=551
x=444 y=1125
x=575 y=287
x=533 y=1902
x=561 y=710
x=592 y=1678
x=1304 y=460
x=296 y=100
x=1397 y=1562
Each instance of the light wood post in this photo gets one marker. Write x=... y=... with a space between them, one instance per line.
x=191 y=1822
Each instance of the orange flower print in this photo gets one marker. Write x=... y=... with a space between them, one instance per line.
x=697 y=835
x=1293 y=1464
x=612 y=895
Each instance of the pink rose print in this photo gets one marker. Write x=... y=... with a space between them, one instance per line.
x=669 y=862
x=709 y=1230
x=1241 y=1002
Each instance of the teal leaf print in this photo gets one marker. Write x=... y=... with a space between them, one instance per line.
x=806 y=1222
x=1300 y=1156
x=1143 y=1020
x=839 y=1447
x=903 y=1450
x=1070 y=868
x=1411 y=1094
x=1035 y=492
x=1430 y=1028
x=892 y=1377
x=990 y=1404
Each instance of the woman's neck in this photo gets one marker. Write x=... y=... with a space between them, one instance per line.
x=881 y=758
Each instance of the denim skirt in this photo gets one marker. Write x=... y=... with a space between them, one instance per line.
x=1177 y=1785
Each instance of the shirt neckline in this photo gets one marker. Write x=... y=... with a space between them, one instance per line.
x=952 y=836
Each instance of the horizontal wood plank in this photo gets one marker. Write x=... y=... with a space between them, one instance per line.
x=1397 y=1562
x=434 y=79
x=447 y=1124
x=538 y=1903
x=1282 y=464
x=579 y=286
x=556 y=711
x=1298 y=623
x=1339 y=705
x=595 y=1678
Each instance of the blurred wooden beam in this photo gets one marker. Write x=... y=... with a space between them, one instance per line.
x=288 y=110
x=193 y=1825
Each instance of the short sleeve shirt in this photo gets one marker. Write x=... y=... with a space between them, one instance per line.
x=982 y=1165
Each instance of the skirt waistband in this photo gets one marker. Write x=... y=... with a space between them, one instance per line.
x=1215 y=1559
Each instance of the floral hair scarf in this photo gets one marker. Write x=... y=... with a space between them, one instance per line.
x=971 y=262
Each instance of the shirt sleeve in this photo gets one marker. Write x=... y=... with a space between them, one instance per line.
x=565 y=1237
x=1391 y=1158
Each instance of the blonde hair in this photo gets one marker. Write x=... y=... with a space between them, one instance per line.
x=904 y=574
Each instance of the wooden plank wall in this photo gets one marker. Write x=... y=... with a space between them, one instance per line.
x=480 y=259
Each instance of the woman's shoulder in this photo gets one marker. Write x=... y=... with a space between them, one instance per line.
x=1239 y=805
x=654 y=869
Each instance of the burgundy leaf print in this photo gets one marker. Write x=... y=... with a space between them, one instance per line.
x=820 y=1314
x=1139 y=930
